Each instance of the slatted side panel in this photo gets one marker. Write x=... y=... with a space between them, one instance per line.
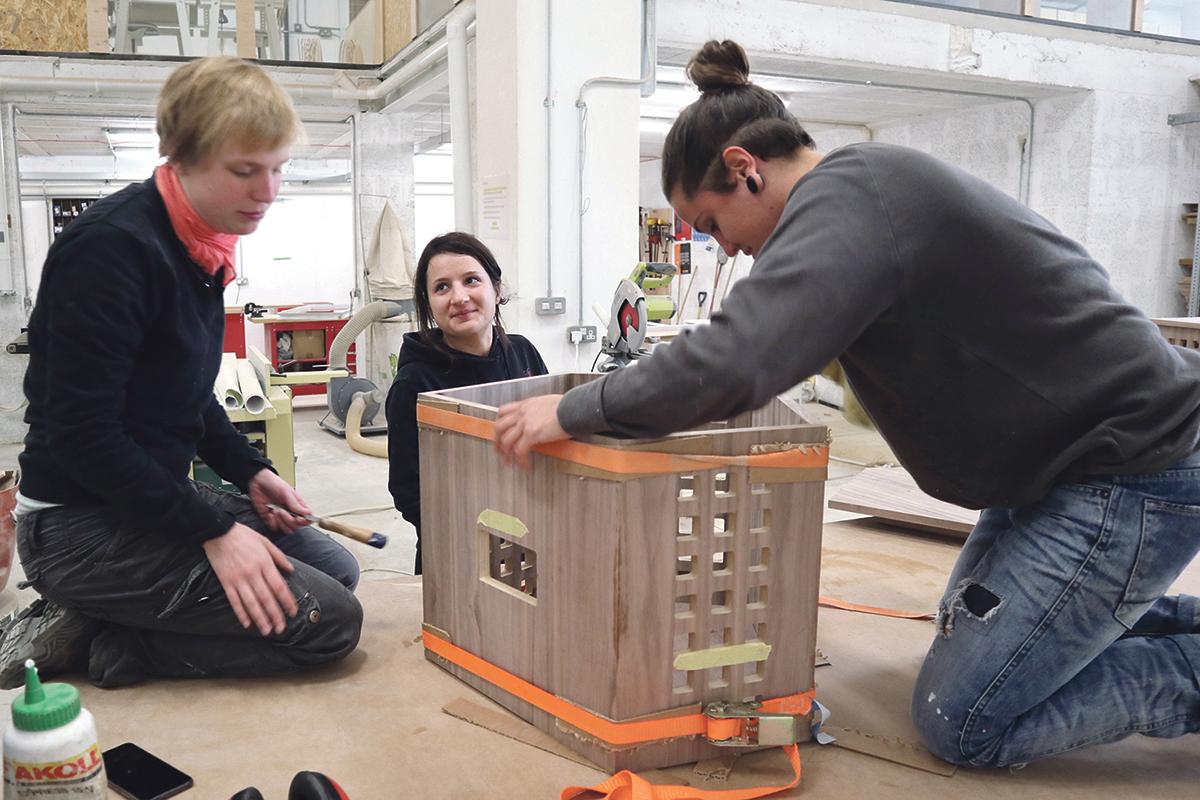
x=721 y=582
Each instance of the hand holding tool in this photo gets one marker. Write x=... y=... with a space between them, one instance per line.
x=372 y=538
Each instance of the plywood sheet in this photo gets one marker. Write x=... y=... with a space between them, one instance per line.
x=891 y=493
x=48 y=26
x=399 y=25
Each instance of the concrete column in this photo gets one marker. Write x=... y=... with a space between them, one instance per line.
x=14 y=308
x=536 y=241
x=384 y=172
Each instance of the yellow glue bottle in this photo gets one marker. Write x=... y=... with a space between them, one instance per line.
x=50 y=750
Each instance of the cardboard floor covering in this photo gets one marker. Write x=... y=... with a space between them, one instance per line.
x=376 y=721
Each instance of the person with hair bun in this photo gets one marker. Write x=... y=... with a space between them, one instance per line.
x=460 y=341
x=142 y=571
x=1006 y=373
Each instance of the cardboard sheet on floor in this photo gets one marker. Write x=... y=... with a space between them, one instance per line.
x=375 y=721
x=891 y=493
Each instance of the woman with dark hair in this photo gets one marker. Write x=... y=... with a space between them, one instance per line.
x=459 y=342
x=1006 y=373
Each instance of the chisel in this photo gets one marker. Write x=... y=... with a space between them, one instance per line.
x=372 y=538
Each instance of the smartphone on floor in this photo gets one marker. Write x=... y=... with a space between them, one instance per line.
x=138 y=775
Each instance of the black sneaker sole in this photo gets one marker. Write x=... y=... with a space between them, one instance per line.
x=56 y=639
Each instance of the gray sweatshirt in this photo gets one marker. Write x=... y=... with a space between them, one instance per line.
x=990 y=349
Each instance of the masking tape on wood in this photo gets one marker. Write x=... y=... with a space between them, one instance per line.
x=503 y=524
x=724 y=656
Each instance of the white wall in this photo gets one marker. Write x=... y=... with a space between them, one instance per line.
x=986 y=141
x=433 y=202
x=303 y=251
x=511 y=145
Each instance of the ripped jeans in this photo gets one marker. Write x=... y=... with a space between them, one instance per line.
x=1055 y=634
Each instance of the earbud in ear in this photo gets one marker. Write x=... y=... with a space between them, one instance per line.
x=752 y=184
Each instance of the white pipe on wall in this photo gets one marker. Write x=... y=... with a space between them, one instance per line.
x=460 y=114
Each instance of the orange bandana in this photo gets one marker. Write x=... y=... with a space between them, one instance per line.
x=208 y=247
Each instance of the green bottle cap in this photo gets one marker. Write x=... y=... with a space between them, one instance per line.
x=42 y=708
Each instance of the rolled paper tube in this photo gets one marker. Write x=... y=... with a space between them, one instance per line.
x=226 y=387
x=252 y=392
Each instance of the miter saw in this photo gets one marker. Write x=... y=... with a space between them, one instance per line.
x=633 y=311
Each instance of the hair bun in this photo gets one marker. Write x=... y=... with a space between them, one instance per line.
x=719 y=65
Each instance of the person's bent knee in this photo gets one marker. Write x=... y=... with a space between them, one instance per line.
x=940 y=725
x=327 y=627
x=934 y=727
x=346 y=571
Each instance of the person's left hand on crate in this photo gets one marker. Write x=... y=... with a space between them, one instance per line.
x=523 y=425
x=266 y=489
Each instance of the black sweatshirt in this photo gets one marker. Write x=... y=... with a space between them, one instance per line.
x=990 y=349
x=125 y=342
x=422 y=367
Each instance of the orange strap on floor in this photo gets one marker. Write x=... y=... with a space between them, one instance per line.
x=629 y=462
x=690 y=723
x=833 y=602
x=627 y=786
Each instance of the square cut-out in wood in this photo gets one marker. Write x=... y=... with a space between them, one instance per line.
x=754 y=671
x=683 y=565
x=688 y=527
x=760 y=558
x=722 y=562
x=720 y=601
x=760 y=489
x=686 y=487
x=685 y=606
x=760 y=521
x=721 y=483
x=512 y=565
x=723 y=524
x=718 y=677
x=756 y=597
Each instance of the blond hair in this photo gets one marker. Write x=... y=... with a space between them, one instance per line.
x=210 y=101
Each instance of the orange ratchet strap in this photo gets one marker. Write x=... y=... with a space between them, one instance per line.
x=629 y=462
x=605 y=730
x=833 y=602
x=625 y=785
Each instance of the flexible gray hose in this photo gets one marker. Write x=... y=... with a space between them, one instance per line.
x=366 y=316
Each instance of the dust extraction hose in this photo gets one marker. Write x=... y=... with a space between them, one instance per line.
x=354 y=437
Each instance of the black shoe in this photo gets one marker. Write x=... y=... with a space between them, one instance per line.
x=56 y=638
x=315 y=786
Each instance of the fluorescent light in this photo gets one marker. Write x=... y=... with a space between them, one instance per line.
x=131 y=139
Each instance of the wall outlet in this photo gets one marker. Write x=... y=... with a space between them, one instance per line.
x=581 y=334
x=550 y=306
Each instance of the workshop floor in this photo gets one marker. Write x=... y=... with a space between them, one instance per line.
x=375 y=721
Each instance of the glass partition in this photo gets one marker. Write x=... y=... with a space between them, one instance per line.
x=1175 y=18
x=296 y=31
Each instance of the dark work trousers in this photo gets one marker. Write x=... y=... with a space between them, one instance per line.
x=162 y=609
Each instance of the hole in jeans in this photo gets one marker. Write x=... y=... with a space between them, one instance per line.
x=978 y=600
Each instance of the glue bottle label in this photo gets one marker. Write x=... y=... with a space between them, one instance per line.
x=70 y=779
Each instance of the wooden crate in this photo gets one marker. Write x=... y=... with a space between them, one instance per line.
x=615 y=576
x=1181 y=331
